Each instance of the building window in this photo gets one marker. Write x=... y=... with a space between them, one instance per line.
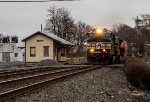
x=46 y=51
x=40 y=40
x=63 y=52
x=32 y=52
x=16 y=54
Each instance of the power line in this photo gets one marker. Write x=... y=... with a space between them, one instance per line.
x=22 y=1
x=36 y=0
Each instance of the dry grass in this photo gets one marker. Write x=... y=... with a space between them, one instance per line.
x=76 y=55
x=137 y=72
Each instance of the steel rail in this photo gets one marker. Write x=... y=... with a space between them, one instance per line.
x=33 y=70
x=15 y=76
x=26 y=69
x=55 y=71
x=5 y=85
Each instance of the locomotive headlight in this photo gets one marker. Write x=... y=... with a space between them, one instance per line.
x=99 y=31
x=91 y=50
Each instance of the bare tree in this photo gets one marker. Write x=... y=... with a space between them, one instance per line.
x=125 y=32
x=81 y=34
x=60 y=22
x=130 y=35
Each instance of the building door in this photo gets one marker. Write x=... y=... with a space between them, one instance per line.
x=6 y=56
x=23 y=55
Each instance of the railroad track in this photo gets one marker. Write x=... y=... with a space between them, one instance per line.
x=12 y=88
x=13 y=74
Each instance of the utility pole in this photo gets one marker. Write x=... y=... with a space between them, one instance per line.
x=142 y=29
x=41 y=27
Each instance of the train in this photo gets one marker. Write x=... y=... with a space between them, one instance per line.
x=104 y=47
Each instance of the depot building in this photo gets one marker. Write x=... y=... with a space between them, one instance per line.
x=42 y=45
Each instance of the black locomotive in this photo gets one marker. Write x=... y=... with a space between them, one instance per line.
x=104 y=47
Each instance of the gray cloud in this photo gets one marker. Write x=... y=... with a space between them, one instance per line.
x=25 y=18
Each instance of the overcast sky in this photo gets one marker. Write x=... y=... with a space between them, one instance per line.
x=23 y=19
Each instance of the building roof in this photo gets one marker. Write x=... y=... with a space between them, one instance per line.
x=52 y=36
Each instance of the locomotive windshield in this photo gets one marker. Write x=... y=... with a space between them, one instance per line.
x=106 y=36
x=97 y=37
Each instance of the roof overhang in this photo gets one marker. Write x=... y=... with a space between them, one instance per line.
x=52 y=36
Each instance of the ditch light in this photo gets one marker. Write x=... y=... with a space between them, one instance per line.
x=91 y=50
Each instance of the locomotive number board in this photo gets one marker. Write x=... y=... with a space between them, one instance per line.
x=100 y=45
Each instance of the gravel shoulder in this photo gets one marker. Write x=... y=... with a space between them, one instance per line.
x=102 y=85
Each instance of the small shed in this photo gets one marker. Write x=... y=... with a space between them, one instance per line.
x=9 y=52
x=42 y=45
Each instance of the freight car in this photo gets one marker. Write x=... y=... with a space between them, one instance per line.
x=104 y=47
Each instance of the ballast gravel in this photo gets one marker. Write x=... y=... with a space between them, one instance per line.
x=102 y=85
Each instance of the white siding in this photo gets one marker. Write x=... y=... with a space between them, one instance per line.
x=1 y=56
x=12 y=49
x=32 y=42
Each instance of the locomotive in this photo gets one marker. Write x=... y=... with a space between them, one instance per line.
x=104 y=47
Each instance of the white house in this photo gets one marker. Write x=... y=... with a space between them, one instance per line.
x=42 y=45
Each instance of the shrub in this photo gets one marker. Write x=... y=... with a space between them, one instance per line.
x=137 y=72
x=48 y=62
